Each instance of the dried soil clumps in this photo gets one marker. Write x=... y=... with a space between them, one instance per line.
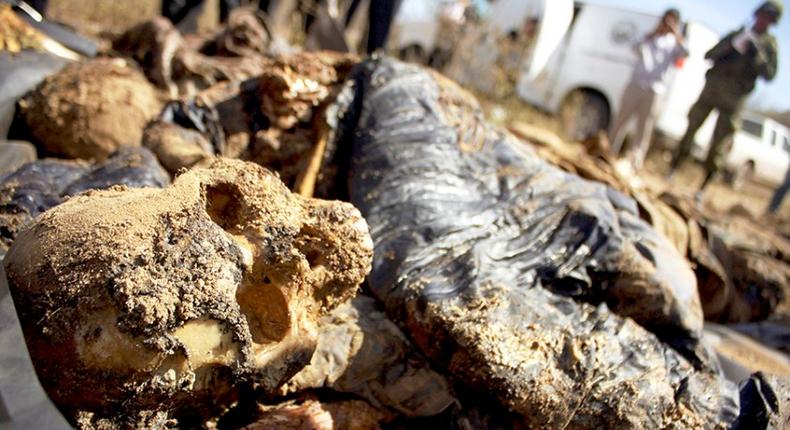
x=169 y=300
x=91 y=109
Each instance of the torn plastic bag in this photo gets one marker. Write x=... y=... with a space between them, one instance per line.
x=43 y=184
x=503 y=269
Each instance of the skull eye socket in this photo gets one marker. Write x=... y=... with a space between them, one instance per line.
x=224 y=205
x=266 y=311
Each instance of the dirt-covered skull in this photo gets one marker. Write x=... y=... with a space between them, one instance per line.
x=141 y=300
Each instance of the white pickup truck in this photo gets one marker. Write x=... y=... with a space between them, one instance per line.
x=760 y=151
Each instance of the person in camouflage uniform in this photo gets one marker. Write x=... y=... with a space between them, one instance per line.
x=739 y=60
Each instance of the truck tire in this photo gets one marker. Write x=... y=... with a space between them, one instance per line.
x=413 y=54
x=583 y=114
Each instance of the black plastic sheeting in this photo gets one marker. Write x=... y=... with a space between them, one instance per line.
x=43 y=184
x=516 y=278
x=193 y=115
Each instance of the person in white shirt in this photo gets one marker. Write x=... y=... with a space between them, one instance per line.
x=657 y=53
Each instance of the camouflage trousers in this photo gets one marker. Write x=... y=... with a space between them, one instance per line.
x=726 y=126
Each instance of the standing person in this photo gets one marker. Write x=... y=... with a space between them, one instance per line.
x=380 y=15
x=657 y=53
x=779 y=195
x=185 y=13
x=738 y=60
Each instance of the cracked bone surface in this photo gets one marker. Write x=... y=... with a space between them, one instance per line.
x=146 y=299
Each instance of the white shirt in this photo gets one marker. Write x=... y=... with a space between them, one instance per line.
x=656 y=57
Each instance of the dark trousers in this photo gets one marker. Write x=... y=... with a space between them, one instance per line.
x=381 y=14
x=779 y=195
x=726 y=125
x=39 y=5
x=177 y=10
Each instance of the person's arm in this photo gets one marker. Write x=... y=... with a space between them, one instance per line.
x=722 y=48
x=767 y=60
x=637 y=46
x=681 y=50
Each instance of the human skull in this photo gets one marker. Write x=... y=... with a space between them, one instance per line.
x=154 y=299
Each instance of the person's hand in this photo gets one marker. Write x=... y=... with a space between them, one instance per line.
x=675 y=28
x=761 y=57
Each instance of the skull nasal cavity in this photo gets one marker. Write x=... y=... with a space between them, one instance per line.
x=224 y=205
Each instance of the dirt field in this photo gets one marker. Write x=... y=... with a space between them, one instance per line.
x=94 y=17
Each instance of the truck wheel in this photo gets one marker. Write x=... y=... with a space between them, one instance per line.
x=583 y=114
x=742 y=175
x=413 y=54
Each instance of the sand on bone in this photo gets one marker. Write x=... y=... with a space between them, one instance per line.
x=135 y=300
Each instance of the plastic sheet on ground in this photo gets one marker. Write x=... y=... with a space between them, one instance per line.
x=503 y=269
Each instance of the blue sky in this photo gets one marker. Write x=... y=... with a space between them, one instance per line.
x=724 y=16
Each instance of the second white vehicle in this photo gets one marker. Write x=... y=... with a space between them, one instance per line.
x=760 y=151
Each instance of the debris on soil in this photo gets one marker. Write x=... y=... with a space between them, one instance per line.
x=244 y=34
x=89 y=110
x=41 y=185
x=143 y=301
x=314 y=415
x=241 y=50
x=360 y=351
x=279 y=119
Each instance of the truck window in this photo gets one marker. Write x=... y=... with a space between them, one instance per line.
x=774 y=142
x=753 y=128
x=786 y=144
